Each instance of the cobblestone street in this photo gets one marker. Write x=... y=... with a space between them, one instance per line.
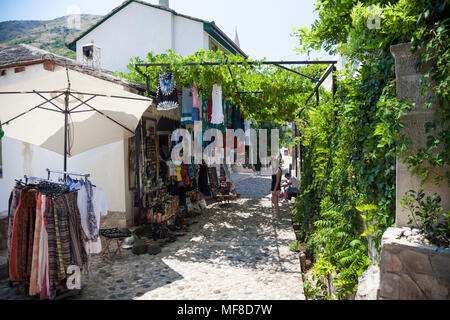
x=231 y=252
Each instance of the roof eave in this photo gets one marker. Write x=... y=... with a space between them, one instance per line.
x=79 y=68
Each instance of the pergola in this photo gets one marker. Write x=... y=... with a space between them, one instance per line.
x=298 y=153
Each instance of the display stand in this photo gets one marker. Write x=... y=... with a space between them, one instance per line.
x=61 y=292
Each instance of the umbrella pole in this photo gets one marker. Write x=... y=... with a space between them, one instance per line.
x=66 y=113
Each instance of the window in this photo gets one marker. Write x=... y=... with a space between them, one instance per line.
x=214 y=46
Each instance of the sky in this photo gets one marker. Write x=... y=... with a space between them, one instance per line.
x=265 y=27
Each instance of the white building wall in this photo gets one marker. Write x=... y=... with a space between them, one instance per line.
x=21 y=159
x=188 y=35
x=105 y=164
x=205 y=41
x=138 y=29
x=133 y=31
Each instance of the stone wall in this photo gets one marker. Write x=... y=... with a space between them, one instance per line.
x=408 y=86
x=411 y=271
x=115 y=220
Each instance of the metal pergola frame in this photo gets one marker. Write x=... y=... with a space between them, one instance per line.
x=280 y=64
x=66 y=111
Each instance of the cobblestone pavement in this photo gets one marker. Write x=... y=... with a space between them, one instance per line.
x=231 y=252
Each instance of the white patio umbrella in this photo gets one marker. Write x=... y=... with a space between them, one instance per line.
x=69 y=112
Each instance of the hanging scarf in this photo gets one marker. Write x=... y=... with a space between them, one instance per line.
x=196 y=105
x=187 y=104
x=92 y=220
x=167 y=96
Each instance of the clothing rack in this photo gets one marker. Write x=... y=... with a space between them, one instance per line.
x=40 y=179
x=61 y=293
x=66 y=173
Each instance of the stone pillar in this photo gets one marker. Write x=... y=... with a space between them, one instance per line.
x=408 y=85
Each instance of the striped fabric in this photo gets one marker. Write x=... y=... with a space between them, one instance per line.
x=63 y=234
x=46 y=237
x=22 y=237
x=34 y=283
x=187 y=104
x=78 y=252
x=53 y=265
x=13 y=203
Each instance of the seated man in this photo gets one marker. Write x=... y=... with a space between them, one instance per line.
x=291 y=187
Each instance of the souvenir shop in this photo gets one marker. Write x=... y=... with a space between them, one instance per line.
x=163 y=191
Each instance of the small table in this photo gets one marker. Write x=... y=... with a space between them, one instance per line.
x=108 y=250
x=110 y=235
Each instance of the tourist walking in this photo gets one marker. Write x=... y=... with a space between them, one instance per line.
x=276 y=187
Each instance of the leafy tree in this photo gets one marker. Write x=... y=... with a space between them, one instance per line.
x=347 y=190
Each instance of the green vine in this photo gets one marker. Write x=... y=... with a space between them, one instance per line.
x=266 y=93
x=347 y=190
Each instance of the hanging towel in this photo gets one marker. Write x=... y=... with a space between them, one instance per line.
x=236 y=117
x=167 y=96
x=228 y=118
x=217 y=107
x=187 y=103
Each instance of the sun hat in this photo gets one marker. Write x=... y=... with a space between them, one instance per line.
x=128 y=243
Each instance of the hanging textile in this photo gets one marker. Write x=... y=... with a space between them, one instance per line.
x=99 y=207
x=209 y=102
x=34 y=283
x=45 y=235
x=166 y=96
x=12 y=205
x=195 y=104
x=91 y=218
x=247 y=132
x=178 y=173
x=236 y=117
x=205 y=106
x=185 y=174
x=22 y=237
x=187 y=101
x=217 y=107
x=228 y=117
x=221 y=126
x=43 y=279
x=203 y=186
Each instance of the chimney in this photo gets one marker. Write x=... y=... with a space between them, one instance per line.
x=92 y=56
x=164 y=3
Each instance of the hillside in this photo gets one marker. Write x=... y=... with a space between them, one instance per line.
x=49 y=35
